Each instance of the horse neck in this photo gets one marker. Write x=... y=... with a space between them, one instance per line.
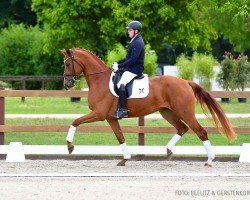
x=96 y=72
x=92 y=63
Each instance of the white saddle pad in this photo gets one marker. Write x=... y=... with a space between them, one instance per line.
x=140 y=87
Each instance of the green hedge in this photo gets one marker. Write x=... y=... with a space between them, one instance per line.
x=22 y=54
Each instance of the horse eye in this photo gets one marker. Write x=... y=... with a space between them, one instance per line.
x=67 y=64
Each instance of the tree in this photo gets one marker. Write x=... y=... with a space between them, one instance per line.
x=16 y=12
x=98 y=25
x=230 y=18
x=22 y=54
x=174 y=21
x=20 y=50
x=71 y=23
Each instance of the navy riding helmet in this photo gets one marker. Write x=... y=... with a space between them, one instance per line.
x=136 y=25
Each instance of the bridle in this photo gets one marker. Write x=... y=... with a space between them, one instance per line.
x=73 y=76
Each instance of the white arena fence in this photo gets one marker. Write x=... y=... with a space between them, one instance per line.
x=15 y=150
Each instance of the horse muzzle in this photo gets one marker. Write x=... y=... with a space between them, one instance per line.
x=68 y=83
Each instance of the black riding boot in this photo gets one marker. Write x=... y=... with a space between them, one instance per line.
x=122 y=110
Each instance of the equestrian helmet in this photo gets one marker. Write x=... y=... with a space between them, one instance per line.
x=136 y=25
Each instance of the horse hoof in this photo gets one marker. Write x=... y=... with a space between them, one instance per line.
x=122 y=162
x=208 y=164
x=71 y=149
x=169 y=154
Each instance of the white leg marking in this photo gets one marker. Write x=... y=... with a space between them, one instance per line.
x=71 y=133
x=126 y=154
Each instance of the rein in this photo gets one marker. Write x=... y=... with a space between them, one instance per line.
x=96 y=73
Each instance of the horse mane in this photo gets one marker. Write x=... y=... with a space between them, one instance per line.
x=100 y=61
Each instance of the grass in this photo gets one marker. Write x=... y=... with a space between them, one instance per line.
x=110 y=139
x=39 y=105
x=63 y=106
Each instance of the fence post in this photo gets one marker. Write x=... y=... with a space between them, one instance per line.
x=2 y=111
x=141 y=138
x=43 y=84
x=23 y=88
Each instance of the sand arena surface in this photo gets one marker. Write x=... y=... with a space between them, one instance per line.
x=134 y=187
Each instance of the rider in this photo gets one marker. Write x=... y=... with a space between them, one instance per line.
x=132 y=66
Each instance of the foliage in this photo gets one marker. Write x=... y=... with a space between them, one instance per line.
x=185 y=67
x=204 y=68
x=174 y=21
x=231 y=19
x=241 y=72
x=119 y=52
x=4 y=84
x=200 y=66
x=20 y=50
x=22 y=54
x=150 y=61
x=225 y=76
x=98 y=25
x=79 y=84
x=16 y=12
x=71 y=23
x=234 y=73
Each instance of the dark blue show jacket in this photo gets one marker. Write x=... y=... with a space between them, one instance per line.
x=134 y=61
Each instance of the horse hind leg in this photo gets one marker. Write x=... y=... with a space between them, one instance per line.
x=202 y=134
x=181 y=128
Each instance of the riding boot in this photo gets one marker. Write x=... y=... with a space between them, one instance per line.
x=122 y=110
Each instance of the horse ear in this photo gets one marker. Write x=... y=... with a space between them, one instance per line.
x=63 y=51
x=68 y=52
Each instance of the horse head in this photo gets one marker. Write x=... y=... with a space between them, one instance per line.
x=72 y=68
x=75 y=61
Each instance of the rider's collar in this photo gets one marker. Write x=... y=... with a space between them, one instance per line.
x=134 y=37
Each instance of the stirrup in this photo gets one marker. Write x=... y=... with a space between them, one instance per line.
x=121 y=113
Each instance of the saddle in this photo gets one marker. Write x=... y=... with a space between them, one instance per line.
x=137 y=88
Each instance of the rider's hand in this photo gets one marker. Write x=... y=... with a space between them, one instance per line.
x=115 y=67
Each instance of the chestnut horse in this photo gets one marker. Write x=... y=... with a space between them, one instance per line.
x=173 y=97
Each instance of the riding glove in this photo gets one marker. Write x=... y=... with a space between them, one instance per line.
x=115 y=67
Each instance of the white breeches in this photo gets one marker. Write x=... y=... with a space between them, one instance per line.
x=126 y=78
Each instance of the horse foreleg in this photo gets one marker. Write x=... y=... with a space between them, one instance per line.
x=120 y=137
x=70 y=138
x=91 y=117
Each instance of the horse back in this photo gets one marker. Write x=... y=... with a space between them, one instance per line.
x=170 y=89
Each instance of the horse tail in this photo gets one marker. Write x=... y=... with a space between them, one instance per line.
x=209 y=104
